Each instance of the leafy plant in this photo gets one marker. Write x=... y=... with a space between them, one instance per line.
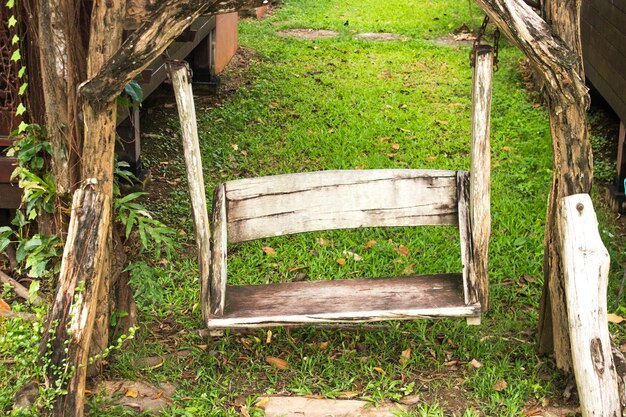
x=32 y=151
x=151 y=231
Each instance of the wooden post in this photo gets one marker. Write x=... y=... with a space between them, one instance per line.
x=179 y=74
x=73 y=311
x=219 y=242
x=480 y=172
x=586 y=277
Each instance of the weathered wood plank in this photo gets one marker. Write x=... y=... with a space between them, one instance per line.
x=586 y=270
x=358 y=300
x=179 y=74
x=218 y=252
x=480 y=172
x=325 y=200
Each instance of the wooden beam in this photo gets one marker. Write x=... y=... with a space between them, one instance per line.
x=179 y=74
x=480 y=172
x=586 y=276
x=149 y=41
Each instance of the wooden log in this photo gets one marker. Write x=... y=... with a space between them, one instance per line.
x=66 y=345
x=179 y=74
x=149 y=41
x=325 y=200
x=480 y=172
x=586 y=276
x=20 y=290
x=219 y=246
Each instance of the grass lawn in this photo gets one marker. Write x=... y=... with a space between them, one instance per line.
x=345 y=103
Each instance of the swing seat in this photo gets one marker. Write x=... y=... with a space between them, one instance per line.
x=257 y=208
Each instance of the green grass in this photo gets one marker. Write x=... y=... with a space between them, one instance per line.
x=326 y=104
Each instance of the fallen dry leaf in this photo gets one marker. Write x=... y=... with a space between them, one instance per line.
x=385 y=139
x=322 y=241
x=297 y=268
x=431 y=158
x=341 y=261
x=395 y=146
x=346 y=395
x=235 y=146
x=534 y=412
x=402 y=250
x=277 y=362
x=370 y=243
x=262 y=402
x=4 y=305
x=409 y=269
x=506 y=148
x=380 y=370
x=500 y=385
x=405 y=356
x=268 y=337
x=131 y=392
x=269 y=251
x=476 y=364
x=614 y=318
x=441 y=122
x=410 y=399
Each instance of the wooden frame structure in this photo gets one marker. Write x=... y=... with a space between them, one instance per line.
x=256 y=208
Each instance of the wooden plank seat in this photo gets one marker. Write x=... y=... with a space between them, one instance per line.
x=263 y=207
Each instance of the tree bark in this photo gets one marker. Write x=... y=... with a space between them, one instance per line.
x=66 y=345
x=560 y=67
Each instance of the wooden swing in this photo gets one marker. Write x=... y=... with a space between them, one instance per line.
x=257 y=208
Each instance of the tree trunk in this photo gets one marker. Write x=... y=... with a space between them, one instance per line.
x=567 y=103
x=66 y=346
x=105 y=37
x=553 y=334
x=62 y=58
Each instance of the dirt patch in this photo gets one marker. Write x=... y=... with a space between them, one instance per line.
x=309 y=34
x=459 y=39
x=137 y=395
x=461 y=36
x=381 y=37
